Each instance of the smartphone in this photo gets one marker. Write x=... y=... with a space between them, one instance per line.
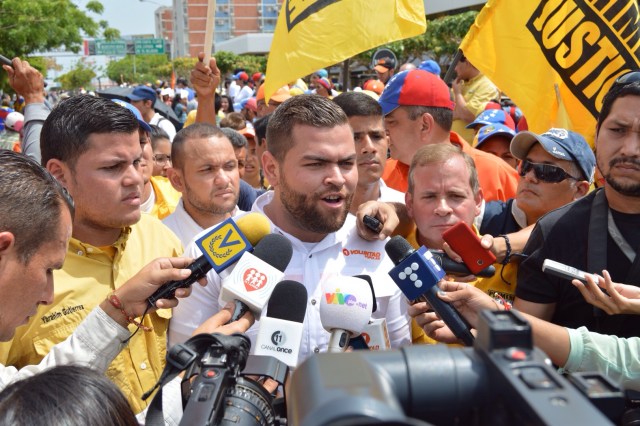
x=372 y=223
x=563 y=271
x=5 y=61
x=466 y=243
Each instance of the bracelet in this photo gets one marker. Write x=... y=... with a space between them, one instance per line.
x=507 y=256
x=117 y=303
x=505 y=303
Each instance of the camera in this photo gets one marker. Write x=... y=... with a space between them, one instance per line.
x=220 y=384
x=501 y=380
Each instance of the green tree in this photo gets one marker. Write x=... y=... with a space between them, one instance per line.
x=148 y=68
x=80 y=76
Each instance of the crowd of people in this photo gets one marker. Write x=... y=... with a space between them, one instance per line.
x=108 y=197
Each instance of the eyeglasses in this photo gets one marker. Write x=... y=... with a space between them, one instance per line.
x=628 y=78
x=545 y=172
x=162 y=158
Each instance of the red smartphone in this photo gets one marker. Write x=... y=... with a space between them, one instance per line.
x=466 y=243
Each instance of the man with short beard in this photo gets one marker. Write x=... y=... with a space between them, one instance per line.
x=599 y=231
x=311 y=164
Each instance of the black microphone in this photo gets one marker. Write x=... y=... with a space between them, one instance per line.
x=417 y=274
x=280 y=330
x=452 y=267
x=256 y=274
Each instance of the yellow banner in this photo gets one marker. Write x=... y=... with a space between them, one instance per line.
x=312 y=34
x=556 y=59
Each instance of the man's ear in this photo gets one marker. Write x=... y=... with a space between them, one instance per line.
x=175 y=177
x=427 y=122
x=7 y=245
x=478 y=200
x=271 y=168
x=60 y=171
x=408 y=201
x=582 y=188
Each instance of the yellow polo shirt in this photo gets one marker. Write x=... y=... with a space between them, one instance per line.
x=477 y=92
x=504 y=285
x=167 y=197
x=89 y=274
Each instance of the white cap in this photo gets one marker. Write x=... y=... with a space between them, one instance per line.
x=14 y=121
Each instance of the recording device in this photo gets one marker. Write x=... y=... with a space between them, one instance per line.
x=5 y=61
x=452 y=267
x=502 y=380
x=216 y=387
x=256 y=274
x=563 y=271
x=417 y=274
x=222 y=246
x=376 y=335
x=372 y=223
x=466 y=243
x=280 y=330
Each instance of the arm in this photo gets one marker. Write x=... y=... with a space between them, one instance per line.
x=498 y=245
x=205 y=79
x=28 y=82
x=394 y=217
x=613 y=298
x=461 y=112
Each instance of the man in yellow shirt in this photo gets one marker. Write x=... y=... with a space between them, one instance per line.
x=92 y=146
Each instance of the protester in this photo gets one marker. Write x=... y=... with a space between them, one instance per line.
x=385 y=68
x=496 y=139
x=144 y=99
x=161 y=146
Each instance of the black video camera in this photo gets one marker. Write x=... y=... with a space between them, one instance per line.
x=502 y=380
x=216 y=387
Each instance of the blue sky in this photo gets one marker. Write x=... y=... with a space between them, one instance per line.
x=129 y=16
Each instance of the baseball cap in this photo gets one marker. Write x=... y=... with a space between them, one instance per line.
x=322 y=73
x=142 y=93
x=375 y=86
x=487 y=132
x=324 y=82
x=281 y=95
x=415 y=88
x=135 y=112
x=431 y=66
x=241 y=76
x=493 y=116
x=256 y=76
x=560 y=143
x=14 y=121
x=385 y=64
x=250 y=104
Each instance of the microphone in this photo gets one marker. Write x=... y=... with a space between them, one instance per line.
x=280 y=329
x=376 y=335
x=256 y=274
x=222 y=246
x=452 y=267
x=417 y=274
x=345 y=309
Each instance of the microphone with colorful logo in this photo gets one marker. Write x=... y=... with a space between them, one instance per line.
x=256 y=274
x=222 y=246
x=345 y=309
x=280 y=330
x=417 y=274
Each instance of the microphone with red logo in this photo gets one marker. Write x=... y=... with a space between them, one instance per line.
x=256 y=274
x=280 y=329
x=345 y=309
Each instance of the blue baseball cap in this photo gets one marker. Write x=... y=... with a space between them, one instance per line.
x=135 y=112
x=431 y=66
x=322 y=73
x=143 y=93
x=492 y=116
x=487 y=132
x=560 y=143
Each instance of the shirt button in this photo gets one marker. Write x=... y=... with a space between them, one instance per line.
x=80 y=253
x=316 y=349
x=310 y=256
x=89 y=250
x=313 y=301
x=143 y=366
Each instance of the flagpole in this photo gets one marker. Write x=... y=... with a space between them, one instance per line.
x=208 y=35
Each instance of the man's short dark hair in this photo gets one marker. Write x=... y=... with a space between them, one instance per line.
x=616 y=91
x=237 y=139
x=260 y=127
x=358 y=104
x=195 y=131
x=65 y=133
x=31 y=203
x=306 y=110
x=443 y=117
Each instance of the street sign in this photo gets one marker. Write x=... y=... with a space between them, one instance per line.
x=111 y=48
x=149 y=46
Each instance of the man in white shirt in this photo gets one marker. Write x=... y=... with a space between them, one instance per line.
x=144 y=98
x=311 y=164
x=205 y=171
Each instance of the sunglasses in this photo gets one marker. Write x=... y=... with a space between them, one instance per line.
x=628 y=78
x=545 y=172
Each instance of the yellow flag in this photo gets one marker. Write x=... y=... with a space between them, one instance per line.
x=313 y=34
x=556 y=59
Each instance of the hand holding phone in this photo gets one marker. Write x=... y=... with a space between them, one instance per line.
x=467 y=244
x=563 y=271
x=372 y=223
x=5 y=61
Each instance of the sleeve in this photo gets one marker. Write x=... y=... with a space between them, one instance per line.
x=533 y=284
x=481 y=96
x=398 y=321
x=617 y=358
x=95 y=343
x=493 y=218
x=34 y=117
x=195 y=309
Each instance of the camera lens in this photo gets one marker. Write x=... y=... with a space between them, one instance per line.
x=247 y=404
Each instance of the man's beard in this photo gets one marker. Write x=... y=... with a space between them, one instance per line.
x=629 y=190
x=207 y=206
x=304 y=209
